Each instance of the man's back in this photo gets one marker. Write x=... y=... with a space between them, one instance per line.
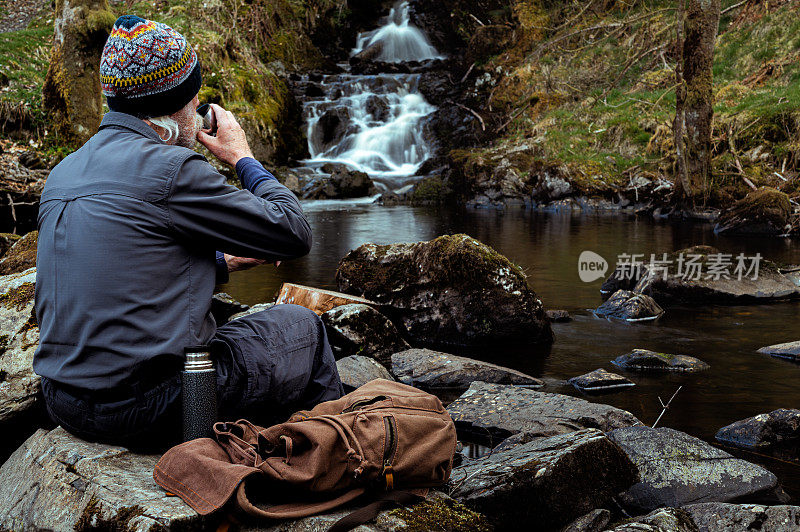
x=126 y=257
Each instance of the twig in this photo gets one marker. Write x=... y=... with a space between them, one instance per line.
x=731 y=8
x=468 y=72
x=475 y=113
x=665 y=406
x=477 y=19
x=513 y=116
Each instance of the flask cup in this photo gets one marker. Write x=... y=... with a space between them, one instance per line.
x=199 y=382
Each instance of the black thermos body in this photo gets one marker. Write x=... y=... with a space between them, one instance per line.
x=199 y=381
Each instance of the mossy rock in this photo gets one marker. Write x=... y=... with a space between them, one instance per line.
x=764 y=211
x=6 y=241
x=21 y=256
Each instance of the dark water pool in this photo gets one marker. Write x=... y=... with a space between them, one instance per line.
x=740 y=383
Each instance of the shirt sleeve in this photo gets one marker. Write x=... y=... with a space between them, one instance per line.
x=222 y=269
x=267 y=223
x=251 y=173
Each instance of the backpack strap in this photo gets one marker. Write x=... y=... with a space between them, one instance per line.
x=370 y=511
x=296 y=509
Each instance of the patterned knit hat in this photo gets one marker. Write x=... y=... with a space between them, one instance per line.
x=148 y=69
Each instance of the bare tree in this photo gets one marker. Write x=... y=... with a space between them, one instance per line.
x=71 y=89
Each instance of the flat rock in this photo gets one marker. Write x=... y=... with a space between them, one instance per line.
x=661 y=520
x=427 y=369
x=630 y=306
x=499 y=411
x=356 y=370
x=600 y=380
x=56 y=481
x=646 y=360
x=678 y=469
x=788 y=350
x=252 y=310
x=19 y=337
x=453 y=290
x=724 y=517
x=358 y=329
x=594 y=521
x=549 y=481
x=778 y=428
x=695 y=285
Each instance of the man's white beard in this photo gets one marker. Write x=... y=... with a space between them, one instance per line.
x=187 y=132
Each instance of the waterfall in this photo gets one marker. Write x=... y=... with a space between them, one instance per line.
x=373 y=123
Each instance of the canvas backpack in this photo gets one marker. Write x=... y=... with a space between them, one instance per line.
x=385 y=440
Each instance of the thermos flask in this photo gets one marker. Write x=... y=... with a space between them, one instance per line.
x=199 y=381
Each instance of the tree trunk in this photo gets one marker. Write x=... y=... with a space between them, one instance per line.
x=71 y=92
x=683 y=188
x=702 y=23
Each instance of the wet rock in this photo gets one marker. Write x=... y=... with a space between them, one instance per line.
x=788 y=350
x=6 y=241
x=619 y=280
x=358 y=329
x=594 y=521
x=646 y=360
x=778 y=428
x=630 y=306
x=378 y=108
x=489 y=40
x=428 y=369
x=452 y=290
x=252 y=310
x=765 y=211
x=694 y=284
x=661 y=520
x=357 y=370
x=342 y=183
x=500 y=410
x=558 y=316
x=722 y=517
x=600 y=380
x=19 y=337
x=330 y=128
x=21 y=256
x=549 y=481
x=56 y=481
x=678 y=469
x=223 y=306
x=314 y=91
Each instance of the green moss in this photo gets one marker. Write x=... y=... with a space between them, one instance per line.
x=441 y=514
x=21 y=256
x=91 y=518
x=18 y=297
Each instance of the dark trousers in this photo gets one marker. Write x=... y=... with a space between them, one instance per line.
x=269 y=364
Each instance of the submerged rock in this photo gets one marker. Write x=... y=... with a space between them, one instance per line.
x=356 y=370
x=765 y=211
x=646 y=360
x=558 y=316
x=788 y=350
x=19 y=338
x=630 y=306
x=498 y=411
x=452 y=290
x=723 y=517
x=777 y=428
x=358 y=329
x=21 y=256
x=549 y=481
x=696 y=283
x=678 y=469
x=428 y=369
x=223 y=306
x=600 y=380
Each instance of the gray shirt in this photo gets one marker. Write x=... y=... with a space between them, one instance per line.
x=128 y=229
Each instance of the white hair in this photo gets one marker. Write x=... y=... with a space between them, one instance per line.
x=168 y=123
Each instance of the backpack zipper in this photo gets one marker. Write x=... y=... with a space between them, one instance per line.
x=389 y=453
x=364 y=402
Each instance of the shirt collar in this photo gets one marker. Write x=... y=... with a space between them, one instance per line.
x=114 y=118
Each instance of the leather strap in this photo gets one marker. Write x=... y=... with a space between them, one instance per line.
x=370 y=511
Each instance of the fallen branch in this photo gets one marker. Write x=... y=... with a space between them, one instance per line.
x=474 y=113
x=731 y=8
x=513 y=116
x=665 y=406
x=469 y=70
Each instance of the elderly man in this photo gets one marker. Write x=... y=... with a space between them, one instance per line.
x=135 y=229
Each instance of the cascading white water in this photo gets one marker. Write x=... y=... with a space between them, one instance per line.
x=373 y=123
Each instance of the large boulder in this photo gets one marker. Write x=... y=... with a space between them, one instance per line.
x=19 y=337
x=56 y=481
x=342 y=183
x=694 y=281
x=788 y=350
x=678 y=469
x=358 y=329
x=355 y=371
x=21 y=256
x=776 y=429
x=630 y=306
x=765 y=211
x=549 y=481
x=725 y=517
x=452 y=290
x=429 y=370
x=501 y=410
x=646 y=360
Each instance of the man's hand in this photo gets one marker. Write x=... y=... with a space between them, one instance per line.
x=230 y=144
x=236 y=264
